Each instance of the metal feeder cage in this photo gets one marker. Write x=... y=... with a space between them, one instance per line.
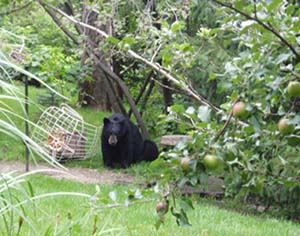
x=62 y=133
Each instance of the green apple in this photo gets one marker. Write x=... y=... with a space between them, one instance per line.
x=293 y=89
x=284 y=127
x=185 y=163
x=211 y=162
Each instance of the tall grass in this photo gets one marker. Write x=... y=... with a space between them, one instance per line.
x=15 y=198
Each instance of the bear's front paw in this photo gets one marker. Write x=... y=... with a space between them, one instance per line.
x=124 y=165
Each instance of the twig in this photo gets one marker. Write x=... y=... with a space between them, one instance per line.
x=156 y=52
x=221 y=132
x=255 y=9
x=165 y=86
x=16 y=9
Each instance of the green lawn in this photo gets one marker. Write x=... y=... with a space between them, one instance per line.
x=72 y=215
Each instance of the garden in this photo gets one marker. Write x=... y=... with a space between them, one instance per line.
x=220 y=79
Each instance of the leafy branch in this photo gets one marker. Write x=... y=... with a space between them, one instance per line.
x=267 y=26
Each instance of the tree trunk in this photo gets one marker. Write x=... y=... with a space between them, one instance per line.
x=168 y=99
x=99 y=93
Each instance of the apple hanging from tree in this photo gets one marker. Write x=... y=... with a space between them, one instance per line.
x=239 y=110
x=293 y=89
x=211 y=162
x=185 y=163
x=162 y=208
x=284 y=127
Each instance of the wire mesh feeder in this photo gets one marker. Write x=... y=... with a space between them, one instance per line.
x=62 y=133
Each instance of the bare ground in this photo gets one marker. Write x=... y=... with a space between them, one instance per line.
x=93 y=176
x=83 y=175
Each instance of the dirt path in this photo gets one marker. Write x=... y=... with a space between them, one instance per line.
x=93 y=176
x=83 y=175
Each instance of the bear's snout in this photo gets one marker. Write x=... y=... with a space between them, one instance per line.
x=112 y=140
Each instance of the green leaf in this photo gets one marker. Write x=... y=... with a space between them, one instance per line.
x=181 y=217
x=239 y=4
x=254 y=121
x=190 y=110
x=177 y=25
x=112 y=40
x=212 y=76
x=186 y=204
x=293 y=140
x=281 y=58
x=178 y=108
x=129 y=40
x=295 y=120
x=159 y=222
x=274 y=4
x=204 y=113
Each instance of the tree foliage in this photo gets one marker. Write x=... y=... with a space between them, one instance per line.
x=258 y=161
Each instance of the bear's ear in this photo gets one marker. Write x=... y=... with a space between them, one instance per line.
x=106 y=121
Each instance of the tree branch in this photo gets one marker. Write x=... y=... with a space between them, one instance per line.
x=59 y=23
x=268 y=26
x=142 y=90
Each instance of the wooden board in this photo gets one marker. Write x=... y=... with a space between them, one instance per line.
x=173 y=140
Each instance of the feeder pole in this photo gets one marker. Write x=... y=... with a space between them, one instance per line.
x=26 y=124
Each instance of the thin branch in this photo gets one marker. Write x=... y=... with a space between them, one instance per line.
x=156 y=52
x=268 y=26
x=255 y=9
x=221 y=132
x=17 y=9
x=146 y=97
x=167 y=87
x=142 y=90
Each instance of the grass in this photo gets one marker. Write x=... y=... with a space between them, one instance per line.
x=72 y=215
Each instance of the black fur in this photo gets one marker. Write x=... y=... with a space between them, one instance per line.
x=123 y=144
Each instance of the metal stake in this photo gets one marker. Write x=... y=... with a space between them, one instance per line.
x=26 y=124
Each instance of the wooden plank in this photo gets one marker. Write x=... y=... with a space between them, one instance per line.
x=173 y=140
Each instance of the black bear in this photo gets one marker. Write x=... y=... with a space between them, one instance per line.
x=123 y=144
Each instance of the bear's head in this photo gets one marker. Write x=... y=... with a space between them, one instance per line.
x=115 y=128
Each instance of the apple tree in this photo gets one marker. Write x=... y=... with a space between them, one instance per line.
x=254 y=136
